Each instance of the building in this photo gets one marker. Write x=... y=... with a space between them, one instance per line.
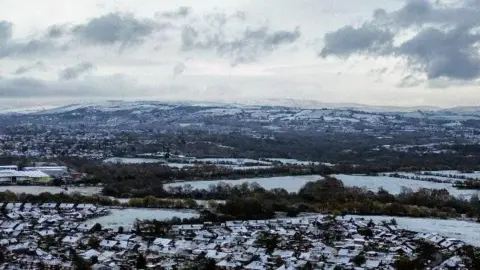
x=53 y=171
x=9 y=167
x=13 y=176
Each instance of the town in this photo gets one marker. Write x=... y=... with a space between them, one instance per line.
x=135 y=128
x=63 y=236
x=149 y=185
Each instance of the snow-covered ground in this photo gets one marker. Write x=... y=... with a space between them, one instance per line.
x=394 y=185
x=291 y=161
x=116 y=160
x=469 y=232
x=233 y=167
x=373 y=183
x=126 y=217
x=54 y=190
x=233 y=161
x=475 y=175
x=426 y=177
x=289 y=183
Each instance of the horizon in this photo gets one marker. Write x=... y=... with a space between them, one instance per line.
x=288 y=103
x=413 y=53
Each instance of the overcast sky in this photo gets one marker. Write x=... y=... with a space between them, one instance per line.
x=375 y=52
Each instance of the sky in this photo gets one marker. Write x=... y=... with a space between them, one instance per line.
x=373 y=52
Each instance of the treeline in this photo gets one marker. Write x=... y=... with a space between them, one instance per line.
x=328 y=195
x=127 y=181
x=47 y=197
x=140 y=180
x=76 y=198
x=468 y=184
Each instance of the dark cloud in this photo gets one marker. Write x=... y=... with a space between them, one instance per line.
x=28 y=48
x=445 y=43
x=74 y=72
x=248 y=46
x=444 y=53
x=349 y=40
x=5 y=31
x=410 y=81
x=114 y=28
x=39 y=65
x=15 y=48
x=56 y=31
x=178 y=69
x=181 y=12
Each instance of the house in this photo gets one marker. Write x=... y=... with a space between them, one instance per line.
x=162 y=242
x=108 y=244
x=71 y=240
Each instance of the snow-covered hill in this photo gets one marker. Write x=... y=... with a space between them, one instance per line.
x=291 y=111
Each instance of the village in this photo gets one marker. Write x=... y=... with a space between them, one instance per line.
x=60 y=236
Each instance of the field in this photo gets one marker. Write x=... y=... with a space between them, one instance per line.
x=126 y=217
x=289 y=183
x=394 y=185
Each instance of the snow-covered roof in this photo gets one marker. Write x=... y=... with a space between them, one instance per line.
x=14 y=173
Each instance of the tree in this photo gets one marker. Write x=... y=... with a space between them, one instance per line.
x=269 y=241
x=426 y=251
x=371 y=224
x=94 y=243
x=404 y=263
x=393 y=222
x=79 y=263
x=94 y=260
x=2 y=257
x=141 y=262
x=308 y=266
x=209 y=264
x=97 y=227
x=359 y=259
x=120 y=230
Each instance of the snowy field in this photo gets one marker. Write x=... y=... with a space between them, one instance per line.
x=54 y=190
x=232 y=161
x=394 y=185
x=426 y=177
x=447 y=176
x=126 y=217
x=132 y=160
x=469 y=232
x=373 y=183
x=290 y=161
x=233 y=167
x=475 y=175
x=289 y=183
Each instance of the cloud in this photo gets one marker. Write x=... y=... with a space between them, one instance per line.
x=349 y=40
x=5 y=31
x=104 y=86
x=25 y=69
x=181 y=12
x=410 y=81
x=56 y=31
x=227 y=36
x=16 y=48
x=28 y=48
x=74 y=72
x=178 y=69
x=115 y=28
x=445 y=43
x=111 y=29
